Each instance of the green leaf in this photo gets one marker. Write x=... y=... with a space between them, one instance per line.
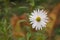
x=28 y=35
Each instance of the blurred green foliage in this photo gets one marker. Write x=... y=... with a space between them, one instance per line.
x=18 y=7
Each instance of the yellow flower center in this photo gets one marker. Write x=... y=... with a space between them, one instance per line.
x=38 y=19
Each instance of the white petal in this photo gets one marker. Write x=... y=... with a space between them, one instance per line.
x=41 y=28
x=38 y=10
x=33 y=26
x=36 y=28
x=43 y=22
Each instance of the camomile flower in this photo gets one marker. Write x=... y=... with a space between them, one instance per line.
x=38 y=19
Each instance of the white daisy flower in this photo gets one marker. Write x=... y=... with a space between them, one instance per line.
x=38 y=19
